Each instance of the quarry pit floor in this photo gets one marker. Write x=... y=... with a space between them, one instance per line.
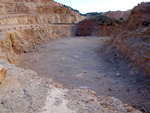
x=77 y=62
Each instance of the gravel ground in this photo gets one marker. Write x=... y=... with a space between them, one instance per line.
x=78 y=63
x=25 y=92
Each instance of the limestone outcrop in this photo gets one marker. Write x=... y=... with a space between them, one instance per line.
x=131 y=43
x=26 y=23
x=25 y=38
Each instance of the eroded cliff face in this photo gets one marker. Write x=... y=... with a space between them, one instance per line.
x=132 y=43
x=26 y=23
x=118 y=14
x=37 y=7
x=25 y=40
x=97 y=26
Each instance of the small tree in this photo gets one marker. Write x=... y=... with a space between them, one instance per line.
x=121 y=19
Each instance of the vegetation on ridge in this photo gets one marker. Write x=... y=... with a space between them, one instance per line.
x=104 y=20
x=90 y=14
x=100 y=25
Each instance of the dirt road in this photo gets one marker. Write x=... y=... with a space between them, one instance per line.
x=78 y=63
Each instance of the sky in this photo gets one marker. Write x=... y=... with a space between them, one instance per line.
x=85 y=6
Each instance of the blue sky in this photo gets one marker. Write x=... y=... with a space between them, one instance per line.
x=85 y=6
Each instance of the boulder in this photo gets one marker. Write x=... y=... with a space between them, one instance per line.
x=3 y=72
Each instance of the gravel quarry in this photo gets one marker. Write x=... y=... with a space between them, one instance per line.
x=78 y=63
x=55 y=60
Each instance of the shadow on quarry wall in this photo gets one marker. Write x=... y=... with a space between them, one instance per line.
x=74 y=31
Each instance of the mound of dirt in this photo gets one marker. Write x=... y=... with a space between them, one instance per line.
x=97 y=26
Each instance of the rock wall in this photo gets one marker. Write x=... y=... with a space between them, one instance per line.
x=33 y=7
x=39 y=19
x=27 y=23
x=25 y=40
x=132 y=43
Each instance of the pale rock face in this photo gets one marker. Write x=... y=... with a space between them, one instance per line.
x=3 y=72
x=27 y=23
